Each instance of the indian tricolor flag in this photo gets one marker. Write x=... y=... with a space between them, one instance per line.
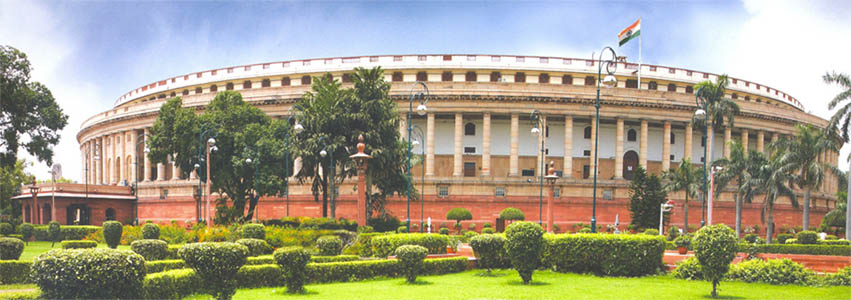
x=629 y=33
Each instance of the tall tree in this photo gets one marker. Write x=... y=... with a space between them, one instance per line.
x=684 y=178
x=841 y=119
x=800 y=155
x=646 y=195
x=735 y=169
x=11 y=179
x=30 y=117
x=773 y=180
x=242 y=132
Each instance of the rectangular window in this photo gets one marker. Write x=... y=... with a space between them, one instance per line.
x=495 y=58
x=373 y=59
x=286 y=65
x=247 y=68
x=446 y=76
x=443 y=191
x=499 y=191
x=586 y=152
x=397 y=58
x=586 y=171
x=471 y=58
x=545 y=60
x=652 y=68
x=213 y=72
x=556 y=192
x=421 y=58
x=447 y=58
x=469 y=150
x=527 y=172
x=672 y=157
x=397 y=76
x=469 y=169
x=672 y=70
x=567 y=61
x=422 y=76
x=520 y=77
x=631 y=84
x=521 y=59
x=688 y=73
x=495 y=76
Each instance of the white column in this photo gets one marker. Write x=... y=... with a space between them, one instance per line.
x=542 y=156
x=642 y=156
x=430 y=145
x=102 y=161
x=160 y=172
x=134 y=163
x=666 y=146
x=513 y=159
x=619 y=149
x=760 y=141
x=147 y=162
x=486 y=144
x=568 y=147
x=403 y=126
x=591 y=161
x=728 y=133
x=175 y=169
x=459 y=135
x=745 y=137
x=689 y=139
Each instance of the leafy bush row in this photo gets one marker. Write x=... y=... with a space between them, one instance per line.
x=604 y=254
x=383 y=246
x=75 y=244
x=66 y=232
x=775 y=271
x=88 y=273
x=839 y=250
x=173 y=264
x=14 y=271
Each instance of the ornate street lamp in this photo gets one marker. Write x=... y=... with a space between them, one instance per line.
x=539 y=128
x=421 y=137
x=360 y=159
x=609 y=81
x=256 y=164
x=551 y=179
x=298 y=129
x=700 y=114
x=34 y=191
x=139 y=140
x=86 y=167
x=421 y=110
x=330 y=189
x=209 y=146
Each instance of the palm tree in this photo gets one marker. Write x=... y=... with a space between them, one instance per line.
x=772 y=179
x=734 y=169
x=800 y=155
x=686 y=178
x=841 y=119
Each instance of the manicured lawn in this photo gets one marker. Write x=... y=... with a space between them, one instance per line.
x=35 y=248
x=506 y=284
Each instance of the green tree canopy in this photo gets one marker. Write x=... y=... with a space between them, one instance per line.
x=459 y=214
x=687 y=178
x=646 y=196
x=30 y=117
x=11 y=179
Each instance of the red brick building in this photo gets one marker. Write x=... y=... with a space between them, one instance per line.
x=77 y=204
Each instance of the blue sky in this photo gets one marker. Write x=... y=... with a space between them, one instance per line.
x=90 y=53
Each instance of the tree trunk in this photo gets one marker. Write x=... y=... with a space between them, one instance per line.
x=324 y=196
x=252 y=205
x=714 y=290
x=685 y=214
x=738 y=215
x=769 y=228
x=806 y=221
x=847 y=208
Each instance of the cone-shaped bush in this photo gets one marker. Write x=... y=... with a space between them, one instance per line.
x=293 y=260
x=411 y=259
x=112 y=233
x=217 y=264
x=151 y=231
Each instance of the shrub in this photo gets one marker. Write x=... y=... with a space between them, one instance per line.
x=151 y=231
x=384 y=223
x=781 y=238
x=689 y=269
x=807 y=237
x=72 y=244
x=511 y=214
x=173 y=251
x=365 y=269
x=11 y=248
x=293 y=260
x=774 y=271
x=402 y=229
x=53 y=231
x=6 y=229
x=150 y=249
x=469 y=235
x=715 y=246
x=488 y=230
x=651 y=231
x=472 y=226
x=604 y=254
x=487 y=225
x=14 y=271
x=524 y=246
x=173 y=284
x=411 y=260
x=347 y=237
x=490 y=251
x=584 y=230
x=683 y=241
x=365 y=229
x=791 y=241
x=751 y=237
x=112 y=233
x=839 y=250
x=254 y=231
x=89 y=274
x=673 y=233
x=382 y=246
x=336 y=258
x=831 y=237
x=834 y=242
x=164 y=265
x=444 y=231
x=329 y=245
x=255 y=276
x=459 y=214
x=842 y=277
x=27 y=232
x=256 y=247
x=365 y=243
x=217 y=264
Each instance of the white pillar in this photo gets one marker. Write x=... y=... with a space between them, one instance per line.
x=619 y=149
x=591 y=161
x=459 y=135
x=687 y=148
x=513 y=159
x=642 y=156
x=147 y=162
x=568 y=147
x=430 y=145
x=760 y=141
x=486 y=144
x=666 y=146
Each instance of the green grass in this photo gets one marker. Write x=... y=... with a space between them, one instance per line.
x=35 y=248
x=506 y=284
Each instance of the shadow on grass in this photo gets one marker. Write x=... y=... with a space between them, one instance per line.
x=722 y=297
x=283 y=292
x=533 y=283
x=418 y=282
x=492 y=274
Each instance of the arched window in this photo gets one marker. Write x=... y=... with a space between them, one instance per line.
x=520 y=77
x=246 y=84
x=110 y=214
x=347 y=77
x=589 y=80
x=172 y=95
x=446 y=76
x=588 y=132
x=470 y=129
x=214 y=88
x=544 y=78
x=672 y=87
x=185 y=92
x=397 y=76
x=470 y=76
x=689 y=89
x=630 y=135
x=495 y=76
x=229 y=86
x=305 y=80
x=652 y=86
x=198 y=90
x=673 y=138
x=266 y=83
x=567 y=79
x=735 y=96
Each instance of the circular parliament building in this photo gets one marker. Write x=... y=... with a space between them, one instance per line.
x=479 y=152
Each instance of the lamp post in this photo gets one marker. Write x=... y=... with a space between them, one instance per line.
x=608 y=81
x=256 y=164
x=34 y=191
x=360 y=159
x=714 y=170
x=421 y=110
x=421 y=137
x=537 y=119
x=665 y=207
x=330 y=188
x=699 y=114
x=96 y=158
x=297 y=128
x=551 y=179
x=209 y=146
x=139 y=140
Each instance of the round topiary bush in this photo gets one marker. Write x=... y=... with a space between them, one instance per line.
x=490 y=251
x=488 y=230
x=6 y=229
x=459 y=214
x=11 y=248
x=293 y=261
x=524 y=244
x=53 y=231
x=150 y=249
x=217 y=264
x=411 y=260
x=402 y=229
x=256 y=247
x=688 y=268
x=329 y=245
x=781 y=238
x=151 y=231
x=27 y=231
x=584 y=230
x=715 y=246
x=807 y=237
x=89 y=274
x=512 y=214
x=751 y=237
x=254 y=231
x=469 y=235
x=78 y=244
x=487 y=225
x=651 y=231
x=444 y=231
x=112 y=233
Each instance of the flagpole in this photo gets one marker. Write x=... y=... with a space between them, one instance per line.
x=639 y=58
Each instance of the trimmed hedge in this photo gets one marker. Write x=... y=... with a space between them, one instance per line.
x=256 y=247
x=66 y=232
x=605 y=254
x=524 y=245
x=411 y=260
x=164 y=265
x=781 y=238
x=79 y=244
x=173 y=251
x=294 y=261
x=89 y=274
x=11 y=248
x=366 y=269
x=112 y=233
x=174 y=284
x=151 y=231
x=834 y=242
x=172 y=264
x=365 y=242
x=217 y=264
x=688 y=268
x=383 y=246
x=842 y=277
x=6 y=229
x=150 y=249
x=774 y=271
x=329 y=245
x=838 y=250
x=253 y=231
x=490 y=251
x=14 y=271
x=807 y=237
x=336 y=258
x=27 y=232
